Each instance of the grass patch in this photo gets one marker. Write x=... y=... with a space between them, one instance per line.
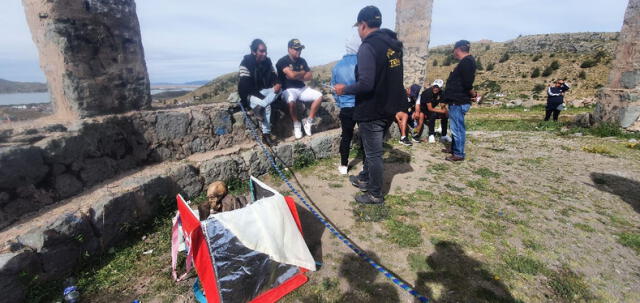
x=534 y=161
x=418 y=263
x=635 y=146
x=584 y=227
x=438 y=168
x=486 y=173
x=335 y=185
x=569 y=286
x=631 y=240
x=304 y=157
x=405 y=235
x=461 y=201
x=524 y=264
x=370 y=213
x=237 y=186
x=531 y=244
x=454 y=188
x=481 y=184
x=598 y=149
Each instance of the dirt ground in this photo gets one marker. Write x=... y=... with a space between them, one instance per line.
x=529 y=217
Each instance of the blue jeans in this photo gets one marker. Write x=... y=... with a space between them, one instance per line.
x=372 y=135
x=458 y=129
x=270 y=96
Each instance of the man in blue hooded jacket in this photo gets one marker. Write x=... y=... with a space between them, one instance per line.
x=345 y=73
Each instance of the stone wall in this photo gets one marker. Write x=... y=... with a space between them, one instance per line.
x=620 y=101
x=51 y=245
x=91 y=53
x=39 y=167
x=413 y=25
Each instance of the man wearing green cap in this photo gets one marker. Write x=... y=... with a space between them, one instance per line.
x=293 y=71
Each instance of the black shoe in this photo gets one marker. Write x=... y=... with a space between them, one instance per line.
x=258 y=111
x=405 y=141
x=268 y=139
x=367 y=198
x=355 y=181
x=415 y=139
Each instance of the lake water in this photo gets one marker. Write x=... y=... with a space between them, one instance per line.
x=24 y=98
x=28 y=98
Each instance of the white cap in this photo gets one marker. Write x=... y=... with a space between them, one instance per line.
x=353 y=44
x=438 y=82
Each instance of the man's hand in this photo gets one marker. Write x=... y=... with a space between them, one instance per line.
x=276 y=88
x=339 y=88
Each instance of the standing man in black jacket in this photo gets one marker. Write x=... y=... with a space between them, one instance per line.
x=379 y=91
x=458 y=95
x=258 y=86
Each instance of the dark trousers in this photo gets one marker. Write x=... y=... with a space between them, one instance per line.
x=548 y=113
x=347 y=124
x=431 y=122
x=372 y=134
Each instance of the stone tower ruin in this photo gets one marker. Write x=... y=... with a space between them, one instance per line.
x=620 y=101
x=413 y=25
x=91 y=53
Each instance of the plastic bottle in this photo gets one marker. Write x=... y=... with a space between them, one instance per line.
x=71 y=293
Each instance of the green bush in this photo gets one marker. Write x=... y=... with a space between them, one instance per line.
x=490 y=86
x=479 y=65
x=490 y=67
x=535 y=73
x=547 y=71
x=538 y=88
x=555 y=65
x=582 y=75
x=536 y=58
x=435 y=62
x=589 y=63
x=504 y=58
x=448 y=60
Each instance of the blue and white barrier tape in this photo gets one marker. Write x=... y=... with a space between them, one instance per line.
x=328 y=225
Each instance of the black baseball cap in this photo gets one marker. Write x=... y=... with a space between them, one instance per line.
x=295 y=44
x=462 y=43
x=371 y=15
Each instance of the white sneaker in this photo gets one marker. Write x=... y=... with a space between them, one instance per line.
x=445 y=139
x=297 y=130
x=439 y=130
x=343 y=169
x=432 y=139
x=307 y=123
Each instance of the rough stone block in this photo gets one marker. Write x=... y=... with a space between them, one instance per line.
x=20 y=166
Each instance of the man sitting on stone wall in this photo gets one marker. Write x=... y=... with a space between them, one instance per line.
x=293 y=71
x=258 y=86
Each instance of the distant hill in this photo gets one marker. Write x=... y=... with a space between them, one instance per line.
x=11 y=87
x=191 y=83
x=508 y=69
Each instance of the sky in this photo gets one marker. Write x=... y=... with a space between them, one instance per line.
x=201 y=39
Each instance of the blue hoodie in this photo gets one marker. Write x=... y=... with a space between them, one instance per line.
x=345 y=73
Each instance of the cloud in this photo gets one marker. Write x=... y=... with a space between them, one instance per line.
x=201 y=39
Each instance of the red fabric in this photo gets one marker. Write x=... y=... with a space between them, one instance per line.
x=203 y=261
x=201 y=256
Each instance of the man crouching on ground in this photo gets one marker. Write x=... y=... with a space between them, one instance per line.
x=293 y=71
x=257 y=86
x=379 y=90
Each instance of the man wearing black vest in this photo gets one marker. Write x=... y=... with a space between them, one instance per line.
x=458 y=95
x=379 y=91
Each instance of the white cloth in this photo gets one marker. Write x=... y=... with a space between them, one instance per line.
x=305 y=94
x=267 y=226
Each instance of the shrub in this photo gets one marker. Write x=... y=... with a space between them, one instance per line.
x=479 y=65
x=555 y=65
x=538 y=88
x=488 y=47
x=582 y=75
x=547 y=71
x=490 y=67
x=535 y=73
x=536 y=58
x=448 y=60
x=490 y=86
x=589 y=63
x=504 y=58
x=435 y=62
